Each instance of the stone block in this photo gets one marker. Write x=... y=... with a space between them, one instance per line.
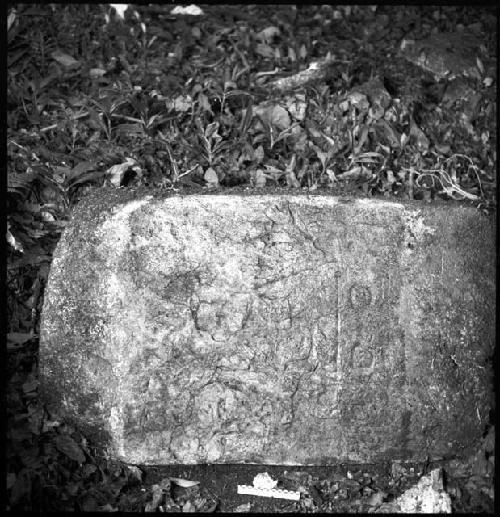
x=272 y=328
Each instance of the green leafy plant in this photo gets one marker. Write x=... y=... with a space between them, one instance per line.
x=147 y=123
x=101 y=111
x=210 y=143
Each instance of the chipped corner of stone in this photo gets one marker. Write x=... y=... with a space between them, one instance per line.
x=122 y=212
x=116 y=228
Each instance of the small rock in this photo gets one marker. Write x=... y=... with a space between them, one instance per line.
x=264 y=480
x=242 y=508
x=424 y=498
x=188 y=507
x=444 y=54
x=377 y=499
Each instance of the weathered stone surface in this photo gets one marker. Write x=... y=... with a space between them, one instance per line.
x=290 y=329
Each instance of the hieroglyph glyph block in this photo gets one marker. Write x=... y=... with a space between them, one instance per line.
x=274 y=328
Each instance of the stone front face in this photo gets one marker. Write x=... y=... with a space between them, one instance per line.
x=277 y=329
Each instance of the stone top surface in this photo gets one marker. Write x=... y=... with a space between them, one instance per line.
x=271 y=327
